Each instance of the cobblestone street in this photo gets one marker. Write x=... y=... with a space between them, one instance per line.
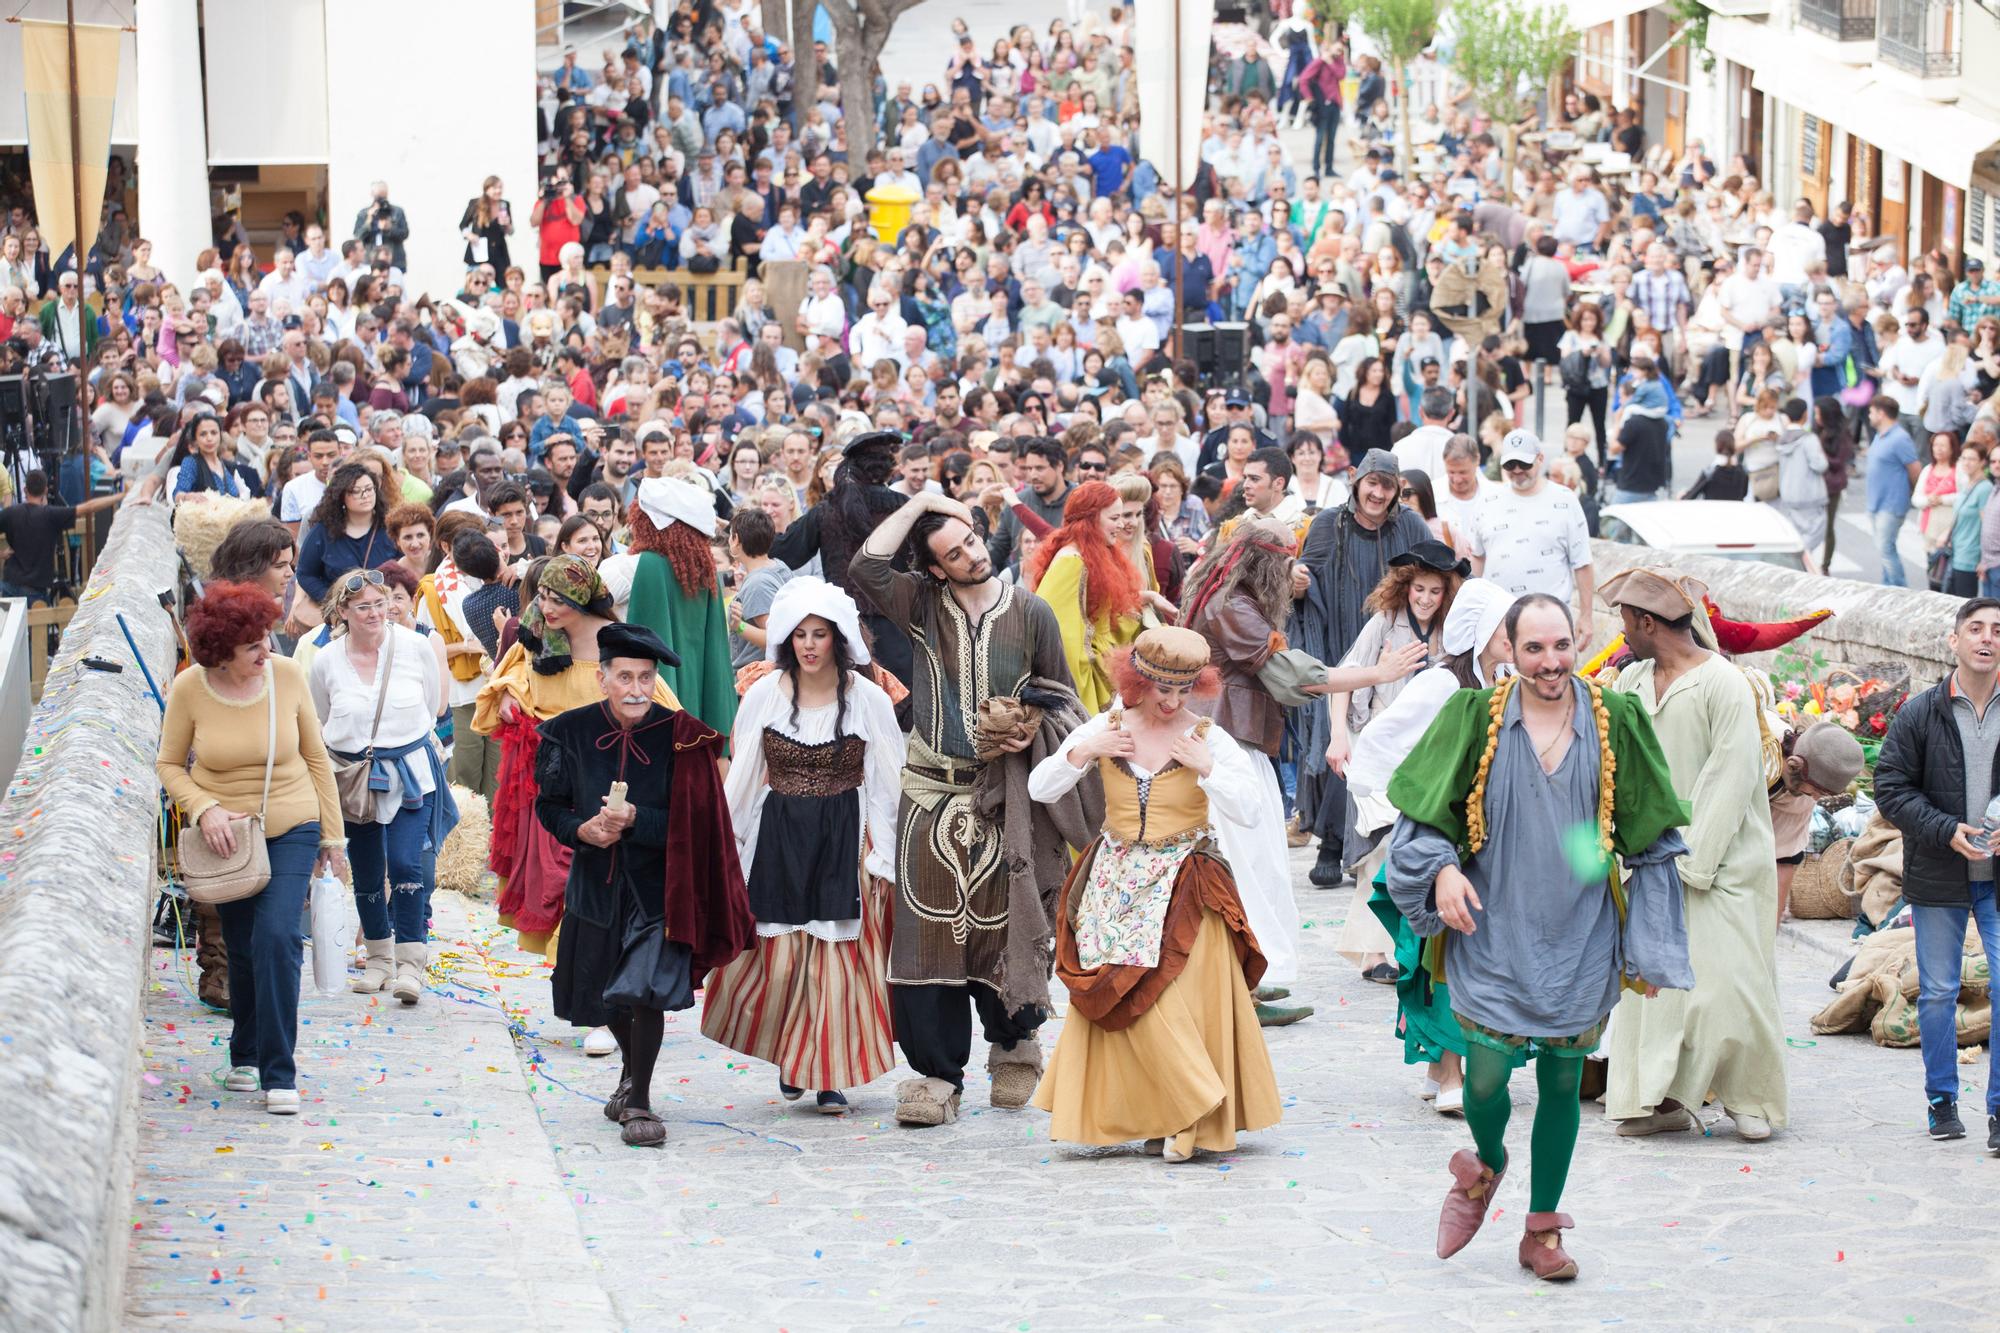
x=443 y=1176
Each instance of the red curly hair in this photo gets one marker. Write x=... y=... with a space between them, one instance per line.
x=690 y=553
x=1111 y=585
x=1134 y=689
x=228 y=616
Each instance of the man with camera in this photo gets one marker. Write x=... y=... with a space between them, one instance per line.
x=33 y=529
x=383 y=224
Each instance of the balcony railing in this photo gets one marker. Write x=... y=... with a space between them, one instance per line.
x=1920 y=37
x=1842 y=20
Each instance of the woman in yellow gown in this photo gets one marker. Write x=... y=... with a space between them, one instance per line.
x=551 y=669
x=1161 y=1043
x=1085 y=572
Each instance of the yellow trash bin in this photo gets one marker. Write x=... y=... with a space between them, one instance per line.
x=889 y=208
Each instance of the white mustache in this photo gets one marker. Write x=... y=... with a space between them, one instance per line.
x=636 y=699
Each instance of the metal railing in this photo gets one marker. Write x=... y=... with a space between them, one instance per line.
x=1842 y=20
x=1920 y=37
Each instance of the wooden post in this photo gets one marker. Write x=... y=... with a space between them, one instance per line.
x=81 y=416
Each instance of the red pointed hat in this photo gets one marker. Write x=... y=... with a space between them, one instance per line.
x=1756 y=636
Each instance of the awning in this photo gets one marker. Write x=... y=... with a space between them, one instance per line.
x=1935 y=137
x=1818 y=88
x=1587 y=14
x=1751 y=45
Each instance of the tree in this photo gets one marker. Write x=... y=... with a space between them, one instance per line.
x=1404 y=30
x=1507 y=53
x=860 y=30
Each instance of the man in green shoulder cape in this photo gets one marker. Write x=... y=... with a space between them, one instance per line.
x=1503 y=858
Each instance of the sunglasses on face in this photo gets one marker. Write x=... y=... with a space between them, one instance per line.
x=1092 y=467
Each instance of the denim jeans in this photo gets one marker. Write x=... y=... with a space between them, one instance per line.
x=1888 y=526
x=1621 y=496
x=29 y=595
x=1326 y=137
x=1989 y=585
x=388 y=862
x=266 y=950
x=1940 y=955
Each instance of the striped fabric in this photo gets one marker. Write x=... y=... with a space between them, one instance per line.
x=817 y=1009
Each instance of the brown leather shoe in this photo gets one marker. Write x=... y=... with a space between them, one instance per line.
x=1466 y=1202
x=1542 y=1247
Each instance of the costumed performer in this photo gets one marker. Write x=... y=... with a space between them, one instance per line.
x=1510 y=817
x=551 y=668
x=654 y=896
x=665 y=580
x=1084 y=573
x=813 y=788
x=1153 y=945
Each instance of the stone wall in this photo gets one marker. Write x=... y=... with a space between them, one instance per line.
x=77 y=830
x=1870 y=623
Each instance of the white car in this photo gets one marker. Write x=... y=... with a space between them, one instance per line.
x=1724 y=529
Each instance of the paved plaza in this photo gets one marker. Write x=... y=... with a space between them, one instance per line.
x=452 y=1170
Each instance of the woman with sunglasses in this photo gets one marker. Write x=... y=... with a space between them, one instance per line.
x=378 y=690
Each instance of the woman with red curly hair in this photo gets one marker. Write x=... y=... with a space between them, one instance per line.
x=236 y=715
x=1084 y=573
x=1153 y=942
x=666 y=582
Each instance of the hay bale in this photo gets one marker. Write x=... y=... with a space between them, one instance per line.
x=461 y=863
x=200 y=526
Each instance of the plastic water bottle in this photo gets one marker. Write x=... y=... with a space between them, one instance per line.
x=1989 y=823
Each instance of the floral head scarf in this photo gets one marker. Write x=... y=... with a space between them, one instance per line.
x=574 y=581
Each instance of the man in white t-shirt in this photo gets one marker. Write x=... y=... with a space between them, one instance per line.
x=1750 y=300
x=1795 y=248
x=1531 y=537
x=1461 y=489
x=1422 y=450
x=303 y=492
x=1139 y=334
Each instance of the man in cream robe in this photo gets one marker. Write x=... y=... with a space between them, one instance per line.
x=1668 y=1053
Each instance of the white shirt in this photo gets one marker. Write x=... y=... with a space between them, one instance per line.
x=302 y=496
x=1422 y=450
x=878 y=338
x=1140 y=336
x=1752 y=300
x=1532 y=543
x=1459 y=514
x=1795 y=247
x=1910 y=357
x=346 y=706
x=293 y=290
x=825 y=318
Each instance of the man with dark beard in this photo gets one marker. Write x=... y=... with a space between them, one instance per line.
x=979 y=864
x=1347 y=551
x=835 y=528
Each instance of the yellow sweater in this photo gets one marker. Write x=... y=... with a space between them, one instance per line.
x=227 y=741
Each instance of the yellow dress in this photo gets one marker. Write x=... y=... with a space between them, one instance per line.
x=1161 y=1040
x=532 y=866
x=1086 y=641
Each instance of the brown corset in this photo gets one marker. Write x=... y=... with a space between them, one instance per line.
x=826 y=769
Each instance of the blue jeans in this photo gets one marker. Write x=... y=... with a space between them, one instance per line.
x=1888 y=525
x=266 y=950
x=29 y=595
x=1940 y=956
x=1989 y=586
x=1621 y=496
x=388 y=862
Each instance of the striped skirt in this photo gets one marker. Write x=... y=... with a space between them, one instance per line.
x=817 y=1009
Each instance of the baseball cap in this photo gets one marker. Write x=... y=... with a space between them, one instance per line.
x=1975 y=263
x=1236 y=398
x=1520 y=446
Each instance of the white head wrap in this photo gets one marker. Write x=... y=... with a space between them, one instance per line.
x=678 y=500
x=805 y=596
x=1477 y=609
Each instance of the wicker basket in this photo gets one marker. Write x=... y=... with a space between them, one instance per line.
x=1895 y=684
x=1817 y=894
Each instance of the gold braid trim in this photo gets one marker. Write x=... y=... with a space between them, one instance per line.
x=1607 y=766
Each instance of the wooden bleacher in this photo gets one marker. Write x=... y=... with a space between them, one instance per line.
x=709 y=296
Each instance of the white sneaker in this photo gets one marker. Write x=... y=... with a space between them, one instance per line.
x=281 y=1101
x=1451 y=1101
x=600 y=1043
x=1754 y=1128
x=243 y=1078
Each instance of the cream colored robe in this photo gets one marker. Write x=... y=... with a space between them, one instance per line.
x=1725 y=1036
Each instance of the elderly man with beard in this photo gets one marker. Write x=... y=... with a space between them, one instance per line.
x=1537 y=929
x=1347 y=552
x=617 y=781
x=1724 y=1036
x=979 y=865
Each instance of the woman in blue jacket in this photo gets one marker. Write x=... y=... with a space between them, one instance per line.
x=346 y=531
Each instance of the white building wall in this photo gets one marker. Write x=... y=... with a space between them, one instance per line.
x=397 y=114
x=173 y=138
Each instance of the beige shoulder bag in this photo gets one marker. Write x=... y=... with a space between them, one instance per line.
x=244 y=872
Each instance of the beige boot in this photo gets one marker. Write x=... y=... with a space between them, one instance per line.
x=379 y=970
x=926 y=1101
x=1015 y=1071
x=411 y=960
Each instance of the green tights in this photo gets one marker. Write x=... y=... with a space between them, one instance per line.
x=1558 y=1113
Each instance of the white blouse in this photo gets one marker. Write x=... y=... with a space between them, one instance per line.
x=346 y=706
x=870 y=716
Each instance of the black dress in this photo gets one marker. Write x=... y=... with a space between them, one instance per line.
x=613 y=952
x=808 y=862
